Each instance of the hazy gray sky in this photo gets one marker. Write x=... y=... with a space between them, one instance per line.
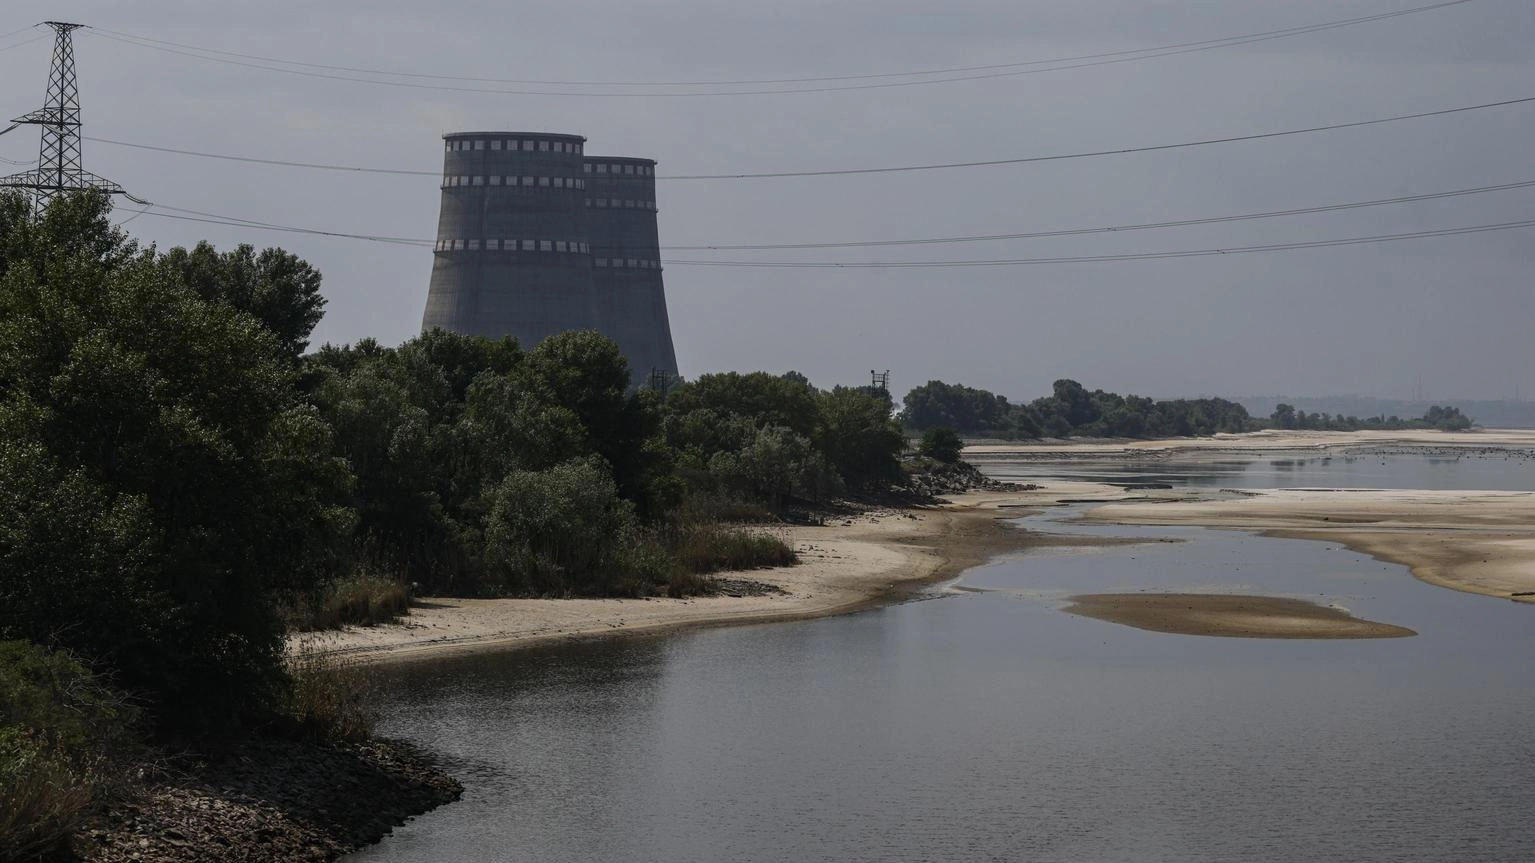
x=1368 y=319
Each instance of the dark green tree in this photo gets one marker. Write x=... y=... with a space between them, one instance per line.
x=164 y=482
x=277 y=288
x=860 y=439
x=941 y=444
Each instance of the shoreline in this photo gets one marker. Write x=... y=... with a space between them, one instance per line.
x=1480 y=542
x=854 y=563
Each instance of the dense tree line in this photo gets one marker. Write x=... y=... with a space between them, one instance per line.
x=1069 y=411
x=1436 y=417
x=178 y=471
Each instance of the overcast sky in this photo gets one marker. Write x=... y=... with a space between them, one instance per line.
x=1366 y=319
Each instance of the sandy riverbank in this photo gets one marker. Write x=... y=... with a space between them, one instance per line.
x=1476 y=541
x=1267 y=441
x=845 y=566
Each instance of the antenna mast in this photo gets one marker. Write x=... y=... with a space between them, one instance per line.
x=59 y=169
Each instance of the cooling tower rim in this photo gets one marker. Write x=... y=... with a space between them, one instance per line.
x=553 y=136
x=631 y=160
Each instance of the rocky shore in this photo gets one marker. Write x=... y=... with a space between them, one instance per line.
x=267 y=800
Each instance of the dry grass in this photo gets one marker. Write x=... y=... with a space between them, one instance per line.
x=43 y=799
x=703 y=549
x=328 y=701
x=361 y=600
x=719 y=509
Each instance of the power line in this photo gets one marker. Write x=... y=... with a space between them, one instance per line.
x=882 y=170
x=1114 y=229
x=711 y=93
x=1140 y=256
x=1054 y=64
x=38 y=38
x=232 y=221
x=1092 y=154
x=253 y=160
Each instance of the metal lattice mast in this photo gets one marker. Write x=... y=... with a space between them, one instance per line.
x=59 y=169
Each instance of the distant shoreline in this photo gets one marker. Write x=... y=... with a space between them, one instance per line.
x=1267 y=442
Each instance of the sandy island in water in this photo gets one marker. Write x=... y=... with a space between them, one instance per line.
x=1230 y=616
x=1477 y=541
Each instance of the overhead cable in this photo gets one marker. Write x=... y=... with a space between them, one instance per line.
x=1114 y=229
x=881 y=170
x=38 y=38
x=1016 y=67
x=1134 y=256
x=233 y=221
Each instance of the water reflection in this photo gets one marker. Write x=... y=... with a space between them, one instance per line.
x=990 y=726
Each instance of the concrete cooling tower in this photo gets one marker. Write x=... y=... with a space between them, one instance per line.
x=535 y=238
x=629 y=298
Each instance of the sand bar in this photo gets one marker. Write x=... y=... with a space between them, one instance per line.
x=1230 y=616
x=1476 y=541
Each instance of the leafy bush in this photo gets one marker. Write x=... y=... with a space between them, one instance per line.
x=941 y=444
x=558 y=531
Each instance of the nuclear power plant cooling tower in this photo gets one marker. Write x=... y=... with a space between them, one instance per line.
x=535 y=238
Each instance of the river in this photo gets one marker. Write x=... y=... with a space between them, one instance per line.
x=984 y=724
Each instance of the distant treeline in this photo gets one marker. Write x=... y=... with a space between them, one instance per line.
x=1069 y=411
x=1072 y=411
x=1436 y=417
x=1492 y=413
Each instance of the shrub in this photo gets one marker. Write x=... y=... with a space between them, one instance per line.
x=941 y=444
x=558 y=531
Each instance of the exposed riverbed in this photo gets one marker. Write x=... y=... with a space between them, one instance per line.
x=983 y=723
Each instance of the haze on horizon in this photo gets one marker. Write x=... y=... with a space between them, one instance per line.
x=1367 y=319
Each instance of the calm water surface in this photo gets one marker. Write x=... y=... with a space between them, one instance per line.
x=990 y=726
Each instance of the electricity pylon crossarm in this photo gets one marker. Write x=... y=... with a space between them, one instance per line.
x=59 y=166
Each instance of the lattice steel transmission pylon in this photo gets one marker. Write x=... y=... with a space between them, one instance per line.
x=59 y=169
